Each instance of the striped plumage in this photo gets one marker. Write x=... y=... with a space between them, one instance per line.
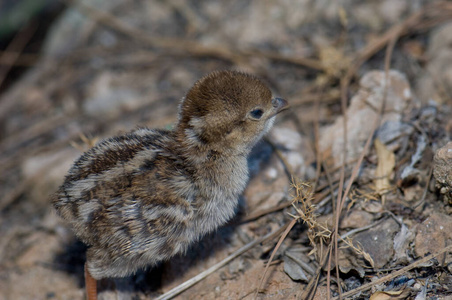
x=145 y=196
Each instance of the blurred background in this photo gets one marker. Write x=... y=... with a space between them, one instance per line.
x=74 y=72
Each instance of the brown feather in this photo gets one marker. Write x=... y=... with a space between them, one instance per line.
x=145 y=196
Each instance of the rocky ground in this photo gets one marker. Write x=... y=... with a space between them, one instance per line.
x=363 y=157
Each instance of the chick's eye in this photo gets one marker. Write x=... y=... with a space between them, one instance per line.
x=256 y=113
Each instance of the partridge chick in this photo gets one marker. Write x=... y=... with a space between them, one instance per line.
x=143 y=197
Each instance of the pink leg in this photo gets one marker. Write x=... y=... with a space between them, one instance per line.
x=90 y=286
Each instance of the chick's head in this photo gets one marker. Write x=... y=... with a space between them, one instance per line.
x=228 y=110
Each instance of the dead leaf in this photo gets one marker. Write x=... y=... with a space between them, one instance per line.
x=378 y=242
x=402 y=294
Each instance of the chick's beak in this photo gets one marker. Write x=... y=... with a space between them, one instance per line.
x=279 y=105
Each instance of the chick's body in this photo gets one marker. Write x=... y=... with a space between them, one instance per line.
x=143 y=197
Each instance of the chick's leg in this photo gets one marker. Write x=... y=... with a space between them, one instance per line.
x=90 y=285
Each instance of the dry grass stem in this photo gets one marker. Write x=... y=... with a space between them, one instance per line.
x=318 y=233
x=14 y=50
x=358 y=249
x=192 y=281
x=287 y=228
x=395 y=274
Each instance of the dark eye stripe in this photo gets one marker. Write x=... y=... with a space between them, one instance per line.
x=256 y=113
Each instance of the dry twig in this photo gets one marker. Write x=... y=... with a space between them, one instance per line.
x=288 y=227
x=189 y=283
x=396 y=273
